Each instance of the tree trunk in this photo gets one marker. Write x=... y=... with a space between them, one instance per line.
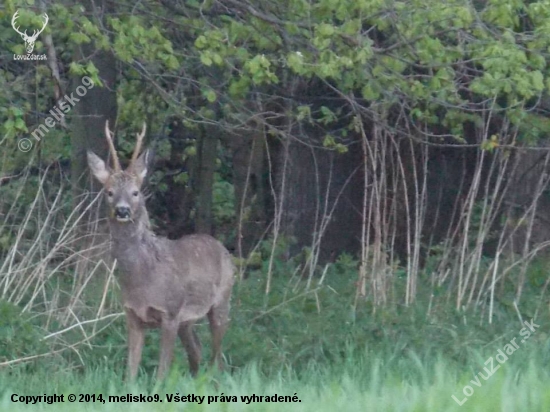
x=178 y=201
x=91 y=112
x=248 y=150
x=207 y=149
x=88 y=133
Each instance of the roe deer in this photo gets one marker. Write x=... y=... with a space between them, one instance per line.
x=166 y=284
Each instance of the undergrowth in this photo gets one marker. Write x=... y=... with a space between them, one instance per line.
x=296 y=328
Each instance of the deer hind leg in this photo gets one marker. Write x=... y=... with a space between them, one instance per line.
x=218 y=318
x=169 y=330
x=136 y=333
x=192 y=345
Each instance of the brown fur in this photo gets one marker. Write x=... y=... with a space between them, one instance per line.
x=166 y=284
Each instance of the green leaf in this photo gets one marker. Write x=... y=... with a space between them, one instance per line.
x=206 y=60
x=490 y=144
x=76 y=68
x=9 y=126
x=538 y=80
x=217 y=59
x=20 y=124
x=368 y=92
x=325 y=30
x=201 y=42
x=210 y=95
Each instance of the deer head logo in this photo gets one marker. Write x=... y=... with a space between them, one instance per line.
x=29 y=40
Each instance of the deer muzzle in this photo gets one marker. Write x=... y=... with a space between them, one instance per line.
x=122 y=213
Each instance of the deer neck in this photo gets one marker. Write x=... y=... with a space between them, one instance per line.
x=124 y=235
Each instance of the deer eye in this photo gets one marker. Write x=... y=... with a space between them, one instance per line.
x=135 y=193
x=110 y=193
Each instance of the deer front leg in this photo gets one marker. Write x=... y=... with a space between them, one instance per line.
x=136 y=334
x=169 y=331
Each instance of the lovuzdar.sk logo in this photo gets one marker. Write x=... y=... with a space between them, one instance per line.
x=29 y=40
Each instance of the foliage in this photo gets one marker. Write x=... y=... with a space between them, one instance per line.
x=223 y=197
x=20 y=335
x=440 y=61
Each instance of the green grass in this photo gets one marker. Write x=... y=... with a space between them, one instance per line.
x=358 y=385
x=314 y=345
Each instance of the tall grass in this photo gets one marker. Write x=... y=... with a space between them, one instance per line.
x=54 y=271
x=361 y=384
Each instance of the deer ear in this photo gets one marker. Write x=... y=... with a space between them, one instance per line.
x=98 y=168
x=141 y=164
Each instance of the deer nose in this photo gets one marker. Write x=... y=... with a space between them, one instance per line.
x=122 y=212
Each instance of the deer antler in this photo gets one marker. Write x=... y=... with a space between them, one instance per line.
x=14 y=18
x=116 y=163
x=138 y=144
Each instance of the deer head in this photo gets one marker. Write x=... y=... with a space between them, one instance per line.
x=122 y=187
x=29 y=40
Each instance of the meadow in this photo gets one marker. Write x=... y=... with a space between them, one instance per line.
x=310 y=346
